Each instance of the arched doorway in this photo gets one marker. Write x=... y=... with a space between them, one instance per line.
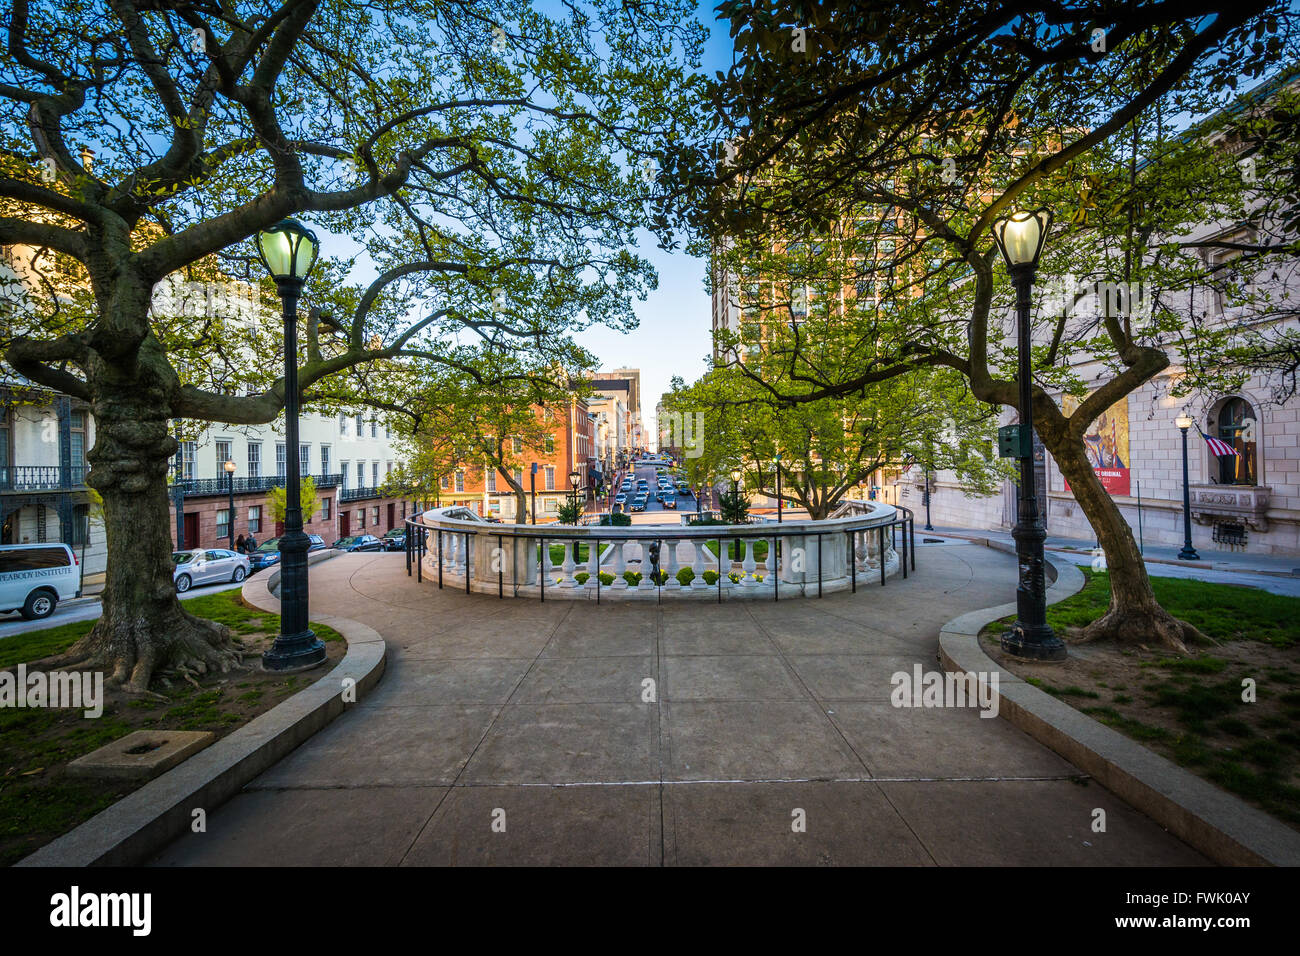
x=1234 y=422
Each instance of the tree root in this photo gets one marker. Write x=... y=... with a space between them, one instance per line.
x=132 y=654
x=1153 y=627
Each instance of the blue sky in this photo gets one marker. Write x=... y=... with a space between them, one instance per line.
x=675 y=332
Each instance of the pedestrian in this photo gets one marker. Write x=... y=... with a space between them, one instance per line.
x=250 y=544
x=239 y=544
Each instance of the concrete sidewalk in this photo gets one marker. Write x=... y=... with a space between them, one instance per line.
x=1233 y=561
x=517 y=732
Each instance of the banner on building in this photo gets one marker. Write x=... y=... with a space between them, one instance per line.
x=1106 y=443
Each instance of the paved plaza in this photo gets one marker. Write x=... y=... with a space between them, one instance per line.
x=517 y=732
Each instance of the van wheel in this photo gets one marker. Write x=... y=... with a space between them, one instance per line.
x=240 y=574
x=39 y=604
x=183 y=583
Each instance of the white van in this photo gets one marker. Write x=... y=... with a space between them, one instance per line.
x=34 y=578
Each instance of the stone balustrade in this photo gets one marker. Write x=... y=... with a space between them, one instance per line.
x=455 y=547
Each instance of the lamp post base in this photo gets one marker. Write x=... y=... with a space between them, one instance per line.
x=1025 y=645
x=294 y=652
x=1188 y=554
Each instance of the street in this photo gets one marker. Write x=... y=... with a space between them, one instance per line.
x=86 y=609
x=646 y=469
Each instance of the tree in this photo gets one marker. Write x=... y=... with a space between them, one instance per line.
x=489 y=161
x=306 y=497
x=918 y=125
x=733 y=506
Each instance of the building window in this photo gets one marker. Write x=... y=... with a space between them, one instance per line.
x=374 y=474
x=223 y=456
x=550 y=477
x=361 y=425
x=254 y=459
x=361 y=517
x=304 y=459
x=374 y=428
x=443 y=483
x=361 y=474
x=460 y=481
x=549 y=506
x=324 y=459
x=1235 y=424
x=326 y=508
x=223 y=523
x=78 y=437
x=254 y=519
x=6 y=441
x=343 y=424
x=189 y=449
x=491 y=480
x=519 y=477
x=344 y=466
x=279 y=459
x=550 y=444
x=388 y=469
x=374 y=516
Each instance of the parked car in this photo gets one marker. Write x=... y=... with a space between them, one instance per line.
x=268 y=552
x=35 y=577
x=207 y=566
x=359 y=542
x=395 y=539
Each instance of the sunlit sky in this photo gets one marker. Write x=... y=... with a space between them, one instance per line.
x=675 y=333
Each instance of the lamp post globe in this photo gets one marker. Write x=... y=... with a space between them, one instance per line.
x=1020 y=237
x=289 y=250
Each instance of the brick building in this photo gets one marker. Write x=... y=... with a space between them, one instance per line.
x=569 y=447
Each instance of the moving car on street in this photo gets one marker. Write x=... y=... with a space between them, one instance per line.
x=207 y=566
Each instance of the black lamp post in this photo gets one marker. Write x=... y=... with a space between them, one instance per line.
x=288 y=250
x=1020 y=238
x=1188 y=553
x=777 y=463
x=735 y=482
x=230 y=515
x=575 y=477
x=925 y=476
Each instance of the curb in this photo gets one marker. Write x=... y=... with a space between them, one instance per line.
x=1212 y=821
x=143 y=822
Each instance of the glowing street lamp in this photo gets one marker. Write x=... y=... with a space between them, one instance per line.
x=1020 y=238
x=289 y=250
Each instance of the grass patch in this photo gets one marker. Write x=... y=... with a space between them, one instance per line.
x=1225 y=612
x=39 y=800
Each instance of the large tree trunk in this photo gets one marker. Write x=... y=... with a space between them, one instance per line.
x=1134 y=616
x=144 y=630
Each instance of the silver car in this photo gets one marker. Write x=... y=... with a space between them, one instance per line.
x=207 y=566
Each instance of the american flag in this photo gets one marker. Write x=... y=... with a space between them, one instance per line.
x=1217 y=447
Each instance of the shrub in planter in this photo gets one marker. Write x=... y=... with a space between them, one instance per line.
x=606 y=578
x=581 y=577
x=659 y=577
x=633 y=578
x=619 y=520
x=710 y=577
x=685 y=576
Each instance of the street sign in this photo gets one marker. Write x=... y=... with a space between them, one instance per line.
x=1014 y=441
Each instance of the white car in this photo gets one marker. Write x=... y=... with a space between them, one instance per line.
x=34 y=578
x=207 y=566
